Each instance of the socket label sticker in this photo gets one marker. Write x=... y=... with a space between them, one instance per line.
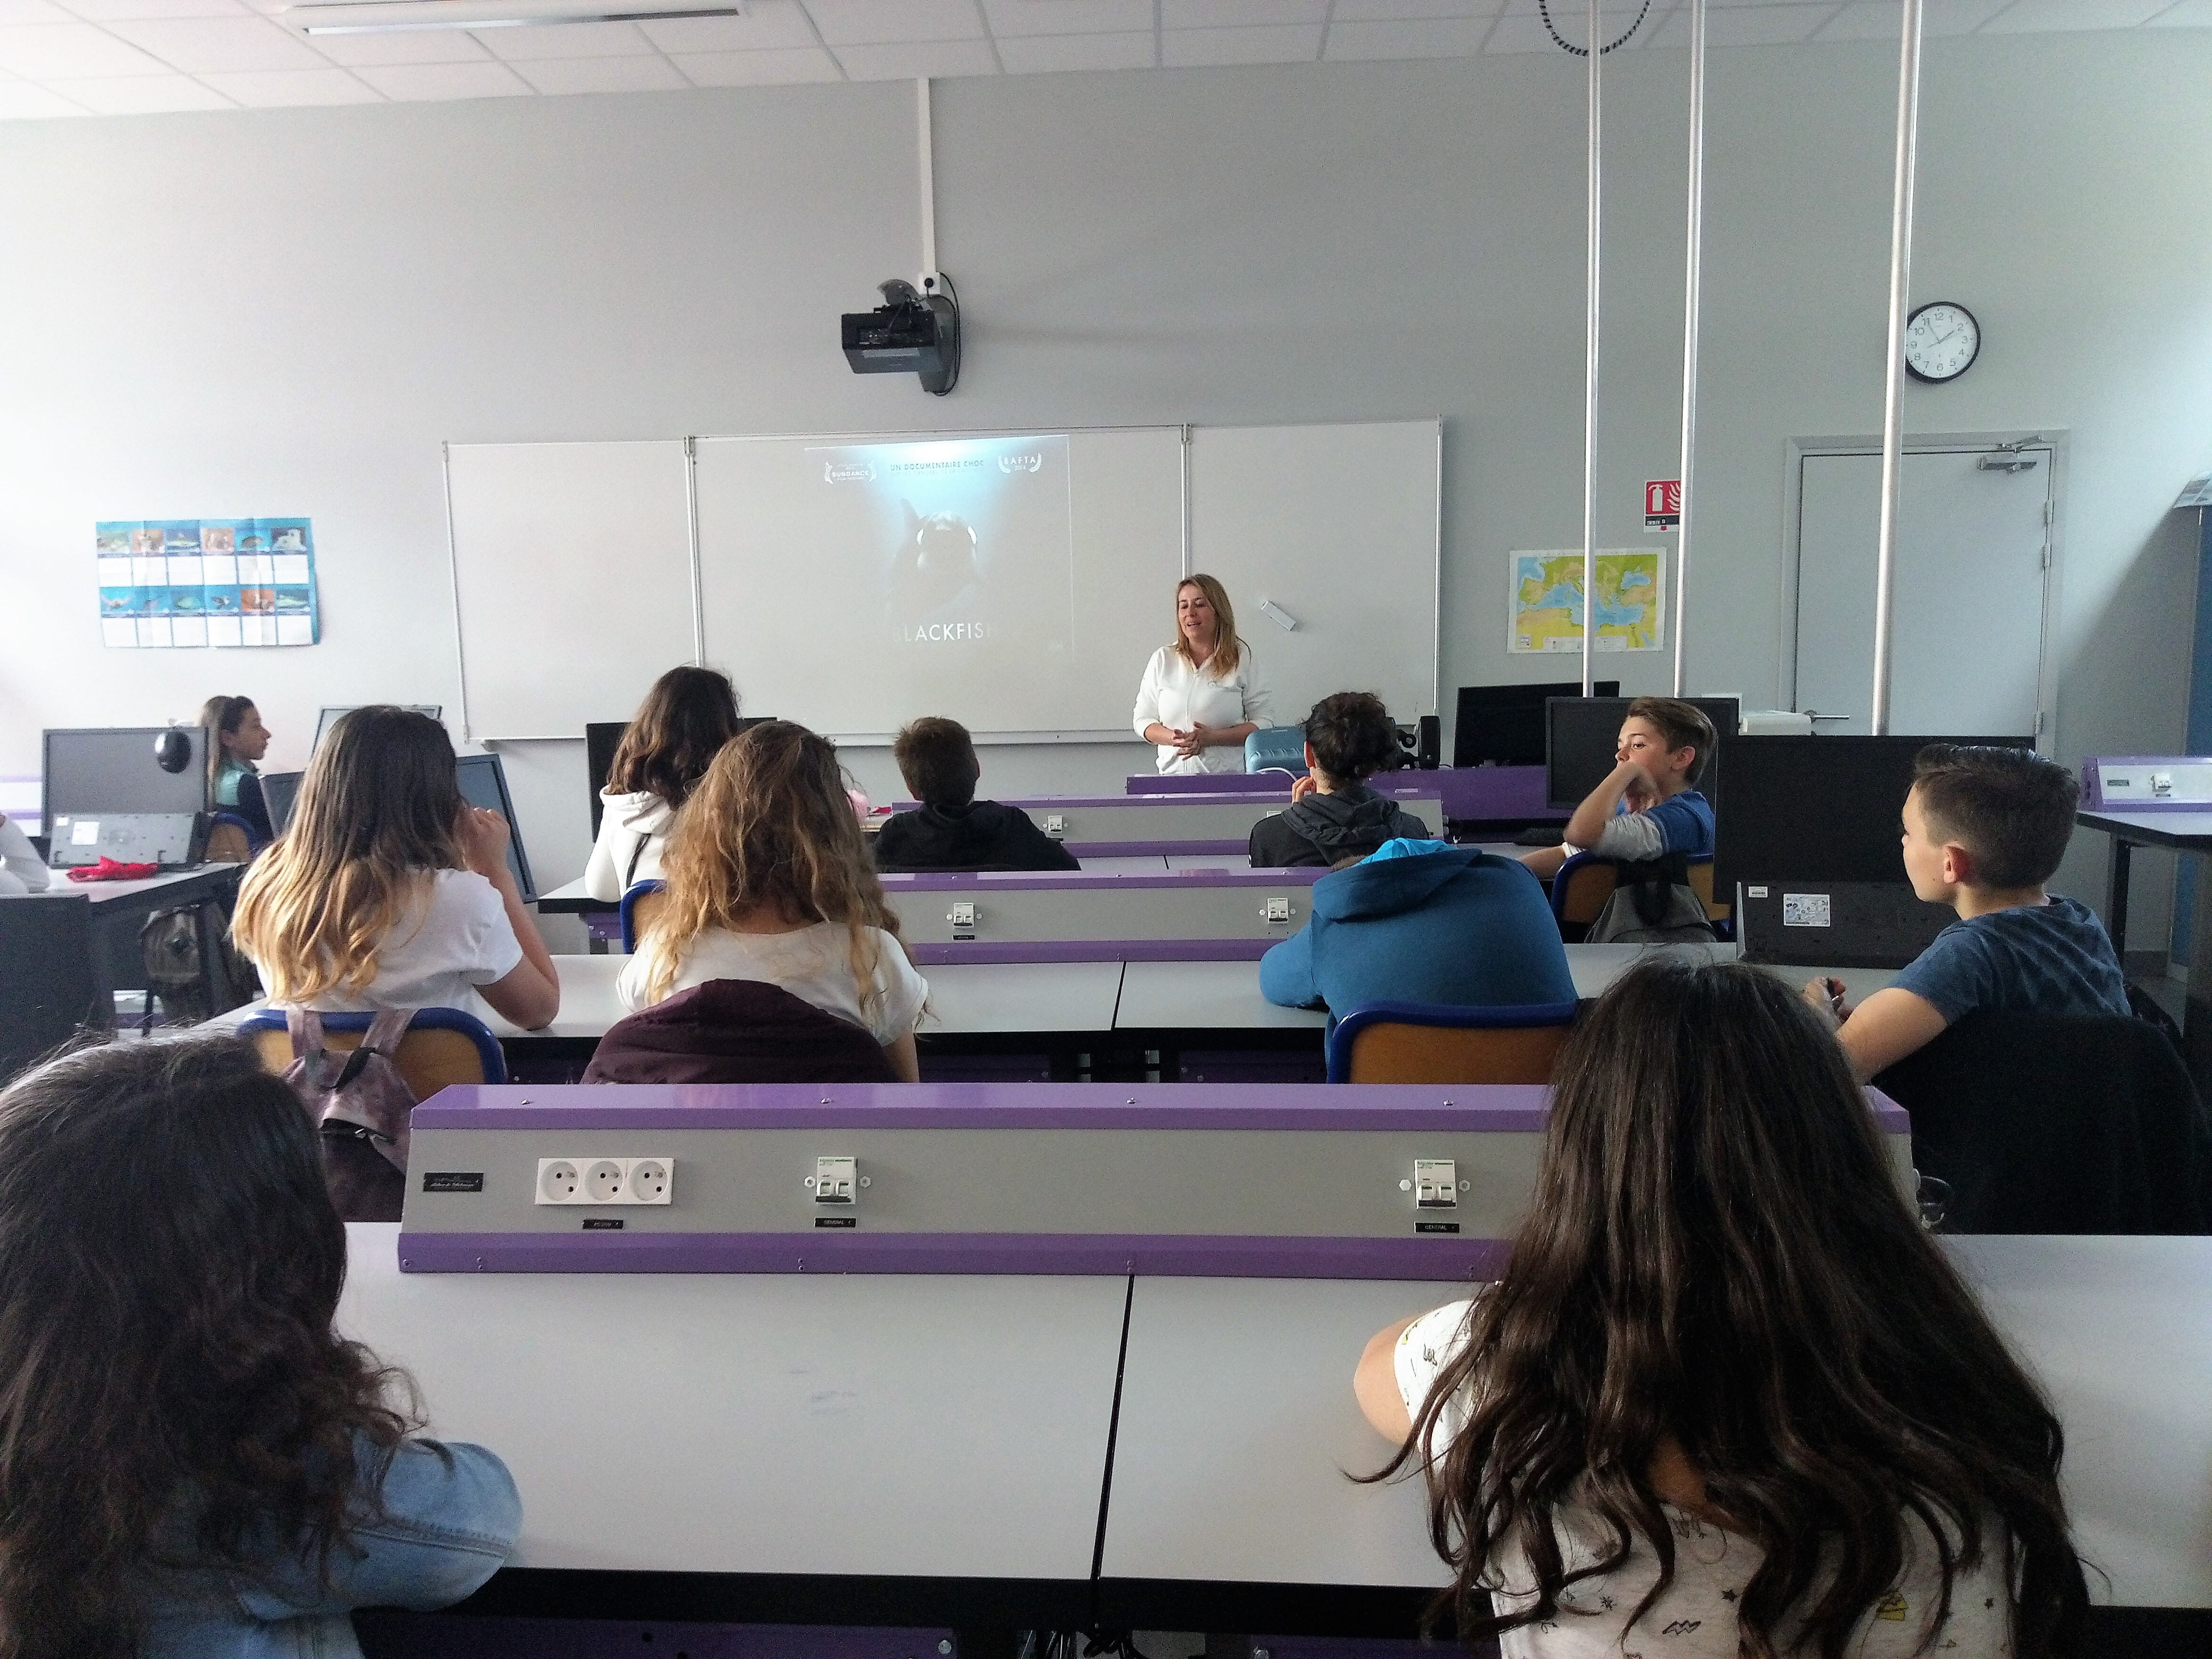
x=836 y=1221
x=452 y=1180
x=603 y=1223
x=1436 y=1226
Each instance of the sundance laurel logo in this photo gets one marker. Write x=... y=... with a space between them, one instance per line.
x=848 y=471
x=1029 y=461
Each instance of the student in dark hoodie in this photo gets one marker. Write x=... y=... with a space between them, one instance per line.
x=953 y=831
x=1332 y=814
x=1422 y=922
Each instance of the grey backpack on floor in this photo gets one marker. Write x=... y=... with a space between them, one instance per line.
x=1652 y=903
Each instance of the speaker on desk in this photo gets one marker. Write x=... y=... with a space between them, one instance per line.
x=1429 y=746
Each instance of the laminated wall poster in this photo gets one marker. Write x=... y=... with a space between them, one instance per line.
x=189 y=583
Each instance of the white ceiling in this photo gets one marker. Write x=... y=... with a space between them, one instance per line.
x=135 y=57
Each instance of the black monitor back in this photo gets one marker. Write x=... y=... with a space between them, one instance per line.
x=47 y=991
x=603 y=737
x=90 y=770
x=328 y=716
x=1503 y=724
x=1582 y=735
x=483 y=783
x=279 y=790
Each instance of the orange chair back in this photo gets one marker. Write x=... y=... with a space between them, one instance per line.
x=1386 y=1052
x=429 y=1061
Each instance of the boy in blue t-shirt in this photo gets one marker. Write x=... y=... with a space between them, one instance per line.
x=1983 y=830
x=1648 y=806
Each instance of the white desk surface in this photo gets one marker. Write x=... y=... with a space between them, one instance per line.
x=1190 y=995
x=1237 y=1419
x=734 y=1423
x=100 y=891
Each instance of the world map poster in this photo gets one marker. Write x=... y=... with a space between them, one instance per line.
x=1545 y=611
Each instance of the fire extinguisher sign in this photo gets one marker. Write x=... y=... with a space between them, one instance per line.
x=1662 y=504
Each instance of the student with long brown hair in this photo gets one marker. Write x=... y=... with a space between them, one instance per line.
x=680 y=728
x=1728 y=1397
x=388 y=890
x=193 y=1462
x=769 y=880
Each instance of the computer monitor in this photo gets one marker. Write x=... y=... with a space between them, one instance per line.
x=1582 y=735
x=603 y=737
x=278 y=791
x=1818 y=810
x=90 y=770
x=483 y=783
x=326 y=718
x=1503 y=724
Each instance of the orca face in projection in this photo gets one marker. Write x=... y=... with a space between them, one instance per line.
x=935 y=564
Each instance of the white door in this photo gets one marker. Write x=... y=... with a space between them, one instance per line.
x=1968 y=621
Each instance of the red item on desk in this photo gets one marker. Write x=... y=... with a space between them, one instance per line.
x=108 y=870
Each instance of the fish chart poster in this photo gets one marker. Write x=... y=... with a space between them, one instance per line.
x=188 y=584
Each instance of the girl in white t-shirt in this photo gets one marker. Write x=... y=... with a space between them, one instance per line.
x=769 y=880
x=1201 y=697
x=388 y=890
x=1728 y=1397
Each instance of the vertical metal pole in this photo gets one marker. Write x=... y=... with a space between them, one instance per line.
x=1893 y=409
x=1691 y=279
x=453 y=568
x=926 y=154
x=692 y=530
x=1590 y=368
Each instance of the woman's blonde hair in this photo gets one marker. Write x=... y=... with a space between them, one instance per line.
x=1228 y=649
x=377 y=811
x=769 y=826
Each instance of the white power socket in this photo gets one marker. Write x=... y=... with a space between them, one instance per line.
x=606 y=1181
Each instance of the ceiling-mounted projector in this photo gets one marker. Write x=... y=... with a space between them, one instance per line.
x=910 y=333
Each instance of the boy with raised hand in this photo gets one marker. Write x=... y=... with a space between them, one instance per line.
x=1983 y=828
x=953 y=831
x=1648 y=806
x=1332 y=814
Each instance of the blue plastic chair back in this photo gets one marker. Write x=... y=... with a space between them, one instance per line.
x=1563 y=891
x=638 y=889
x=255 y=841
x=490 y=1055
x=1276 y=748
x=1520 y=1016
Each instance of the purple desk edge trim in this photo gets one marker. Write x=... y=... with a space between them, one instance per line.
x=1099 y=949
x=1081 y=881
x=1474 y=792
x=1170 y=1254
x=1241 y=794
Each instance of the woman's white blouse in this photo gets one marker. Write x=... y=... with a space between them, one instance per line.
x=1173 y=693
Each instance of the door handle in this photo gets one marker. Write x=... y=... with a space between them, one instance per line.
x=1811 y=715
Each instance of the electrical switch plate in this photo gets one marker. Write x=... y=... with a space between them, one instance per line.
x=837 y=1181
x=1279 y=910
x=963 y=915
x=1436 y=1183
x=1056 y=823
x=598 y=1180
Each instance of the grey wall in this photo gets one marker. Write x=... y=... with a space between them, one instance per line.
x=288 y=311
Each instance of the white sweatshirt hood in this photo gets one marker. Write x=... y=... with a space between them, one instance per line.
x=641 y=812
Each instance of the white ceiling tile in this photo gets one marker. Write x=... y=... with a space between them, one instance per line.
x=1518 y=31
x=423 y=83
x=779 y=26
x=2189 y=14
x=921 y=58
x=1009 y=18
x=142 y=94
x=106 y=11
x=566 y=40
x=204 y=46
x=47 y=52
x=292 y=88
x=1293 y=43
x=1742 y=25
x=1879 y=20
x=566 y=74
x=757 y=69
x=416 y=46
x=2041 y=16
x=1239 y=13
x=21 y=101
x=879 y=22
x=1391 y=11
x=1424 y=36
x=12 y=12
x=1045 y=54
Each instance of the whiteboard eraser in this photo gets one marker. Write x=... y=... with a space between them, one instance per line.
x=1275 y=613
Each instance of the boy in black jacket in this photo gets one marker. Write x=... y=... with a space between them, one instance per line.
x=953 y=831
x=1332 y=814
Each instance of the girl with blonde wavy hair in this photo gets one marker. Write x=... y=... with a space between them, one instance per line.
x=388 y=890
x=769 y=880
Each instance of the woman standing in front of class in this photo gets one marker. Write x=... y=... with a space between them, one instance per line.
x=1202 y=695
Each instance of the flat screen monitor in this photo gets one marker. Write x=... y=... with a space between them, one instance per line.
x=1503 y=724
x=603 y=737
x=328 y=717
x=483 y=783
x=1818 y=810
x=278 y=791
x=111 y=769
x=1583 y=734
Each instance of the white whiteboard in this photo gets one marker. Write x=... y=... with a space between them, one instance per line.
x=1336 y=525
x=581 y=572
x=572 y=580
x=1059 y=552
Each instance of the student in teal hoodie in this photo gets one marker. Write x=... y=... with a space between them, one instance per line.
x=1422 y=922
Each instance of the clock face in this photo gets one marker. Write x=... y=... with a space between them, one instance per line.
x=1941 y=342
